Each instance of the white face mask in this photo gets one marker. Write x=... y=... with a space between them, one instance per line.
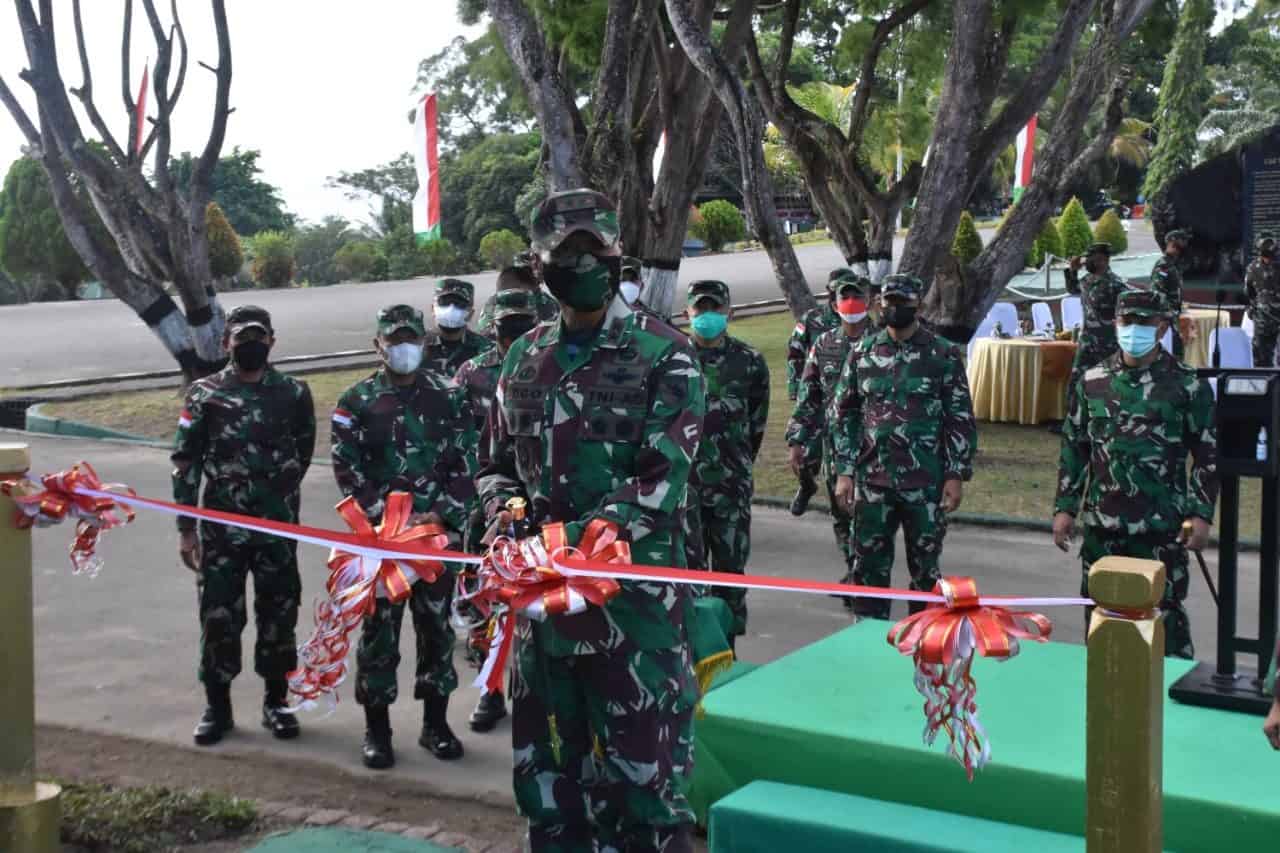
x=404 y=358
x=450 y=316
x=630 y=290
x=853 y=318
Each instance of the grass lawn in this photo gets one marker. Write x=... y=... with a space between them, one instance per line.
x=1015 y=471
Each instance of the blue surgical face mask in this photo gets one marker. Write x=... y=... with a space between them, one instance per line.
x=709 y=325
x=1136 y=341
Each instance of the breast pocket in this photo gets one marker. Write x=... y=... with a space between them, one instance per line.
x=523 y=407
x=614 y=413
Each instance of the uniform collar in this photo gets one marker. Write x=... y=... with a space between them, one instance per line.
x=615 y=330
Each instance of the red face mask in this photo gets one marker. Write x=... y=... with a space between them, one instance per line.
x=851 y=309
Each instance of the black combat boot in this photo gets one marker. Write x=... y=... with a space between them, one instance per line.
x=437 y=738
x=216 y=720
x=275 y=719
x=489 y=710
x=808 y=488
x=377 y=753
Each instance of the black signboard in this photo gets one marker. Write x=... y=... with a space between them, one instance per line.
x=1261 y=196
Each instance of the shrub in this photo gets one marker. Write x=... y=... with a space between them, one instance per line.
x=498 y=247
x=273 y=259
x=406 y=259
x=1048 y=242
x=967 y=243
x=225 y=254
x=1073 y=228
x=1109 y=229
x=718 y=222
x=315 y=246
x=360 y=261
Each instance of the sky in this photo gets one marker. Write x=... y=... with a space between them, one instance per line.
x=316 y=88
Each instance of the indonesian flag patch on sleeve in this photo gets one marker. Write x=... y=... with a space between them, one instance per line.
x=184 y=419
x=342 y=417
x=799 y=330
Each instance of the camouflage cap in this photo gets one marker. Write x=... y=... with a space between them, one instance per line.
x=244 y=316
x=1099 y=249
x=1182 y=235
x=527 y=258
x=716 y=291
x=630 y=263
x=514 y=303
x=396 y=317
x=1141 y=303
x=838 y=272
x=456 y=287
x=859 y=283
x=901 y=285
x=1266 y=242
x=568 y=212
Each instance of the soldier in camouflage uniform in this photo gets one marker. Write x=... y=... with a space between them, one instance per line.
x=452 y=343
x=904 y=437
x=1262 y=286
x=1098 y=293
x=737 y=387
x=809 y=435
x=249 y=431
x=514 y=314
x=1166 y=277
x=405 y=429
x=597 y=418
x=1135 y=418
x=521 y=275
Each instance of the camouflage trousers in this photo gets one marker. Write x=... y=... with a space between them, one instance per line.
x=718 y=538
x=1266 y=330
x=227 y=558
x=1099 y=543
x=841 y=520
x=611 y=773
x=378 y=654
x=877 y=514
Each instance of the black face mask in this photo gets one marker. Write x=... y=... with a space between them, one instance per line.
x=250 y=355
x=899 y=316
x=584 y=291
x=511 y=328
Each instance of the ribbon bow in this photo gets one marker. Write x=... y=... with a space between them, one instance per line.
x=517 y=577
x=356 y=580
x=62 y=497
x=941 y=640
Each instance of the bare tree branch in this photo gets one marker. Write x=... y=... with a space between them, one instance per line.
x=20 y=116
x=85 y=92
x=125 y=83
x=203 y=171
x=885 y=27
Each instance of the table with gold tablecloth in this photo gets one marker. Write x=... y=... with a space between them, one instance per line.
x=1020 y=380
x=1195 y=325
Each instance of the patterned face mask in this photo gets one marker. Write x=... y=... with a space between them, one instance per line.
x=583 y=282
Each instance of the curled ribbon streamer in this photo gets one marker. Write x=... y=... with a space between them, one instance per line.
x=517 y=577
x=356 y=581
x=62 y=495
x=941 y=640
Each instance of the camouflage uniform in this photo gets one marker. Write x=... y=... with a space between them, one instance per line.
x=252 y=443
x=1098 y=294
x=412 y=439
x=719 y=506
x=1262 y=285
x=602 y=426
x=443 y=358
x=1166 y=277
x=902 y=425
x=1127 y=437
x=809 y=427
x=546 y=306
x=814 y=322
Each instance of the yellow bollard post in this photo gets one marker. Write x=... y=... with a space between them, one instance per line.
x=1124 y=763
x=29 y=811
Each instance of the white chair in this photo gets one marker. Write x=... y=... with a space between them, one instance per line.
x=1041 y=317
x=1237 y=351
x=1072 y=312
x=1006 y=314
x=1246 y=325
x=984 y=330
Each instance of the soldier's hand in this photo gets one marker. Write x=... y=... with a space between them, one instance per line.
x=1063 y=529
x=1195 y=538
x=952 y=495
x=844 y=491
x=498 y=526
x=189 y=549
x=1271 y=726
x=1076 y=262
x=795 y=455
x=425 y=518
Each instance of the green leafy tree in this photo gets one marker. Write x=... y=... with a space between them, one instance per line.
x=967 y=244
x=719 y=222
x=273 y=259
x=315 y=247
x=498 y=247
x=478 y=91
x=251 y=204
x=1048 y=242
x=388 y=189
x=1182 y=99
x=480 y=188
x=1109 y=229
x=360 y=260
x=226 y=256
x=406 y=259
x=33 y=247
x=1073 y=227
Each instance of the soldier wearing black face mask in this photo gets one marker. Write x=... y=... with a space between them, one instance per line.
x=249 y=432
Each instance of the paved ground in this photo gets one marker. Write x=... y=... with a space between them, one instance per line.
x=72 y=340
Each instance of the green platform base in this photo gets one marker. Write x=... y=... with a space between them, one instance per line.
x=842 y=715
x=345 y=841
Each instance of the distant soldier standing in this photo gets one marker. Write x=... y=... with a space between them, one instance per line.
x=405 y=429
x=1262 y=286
x=1125 y=442
x=1098 y=292
x=904 y=437
x=521 y=275
x=249 y=431
x=814 y=322
x=809 y=432
x=453 y=343
x=1166 y=277
x=737 y=383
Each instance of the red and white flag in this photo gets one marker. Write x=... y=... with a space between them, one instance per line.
x=140 y=113
x=426 y=204
x=1026 y=155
